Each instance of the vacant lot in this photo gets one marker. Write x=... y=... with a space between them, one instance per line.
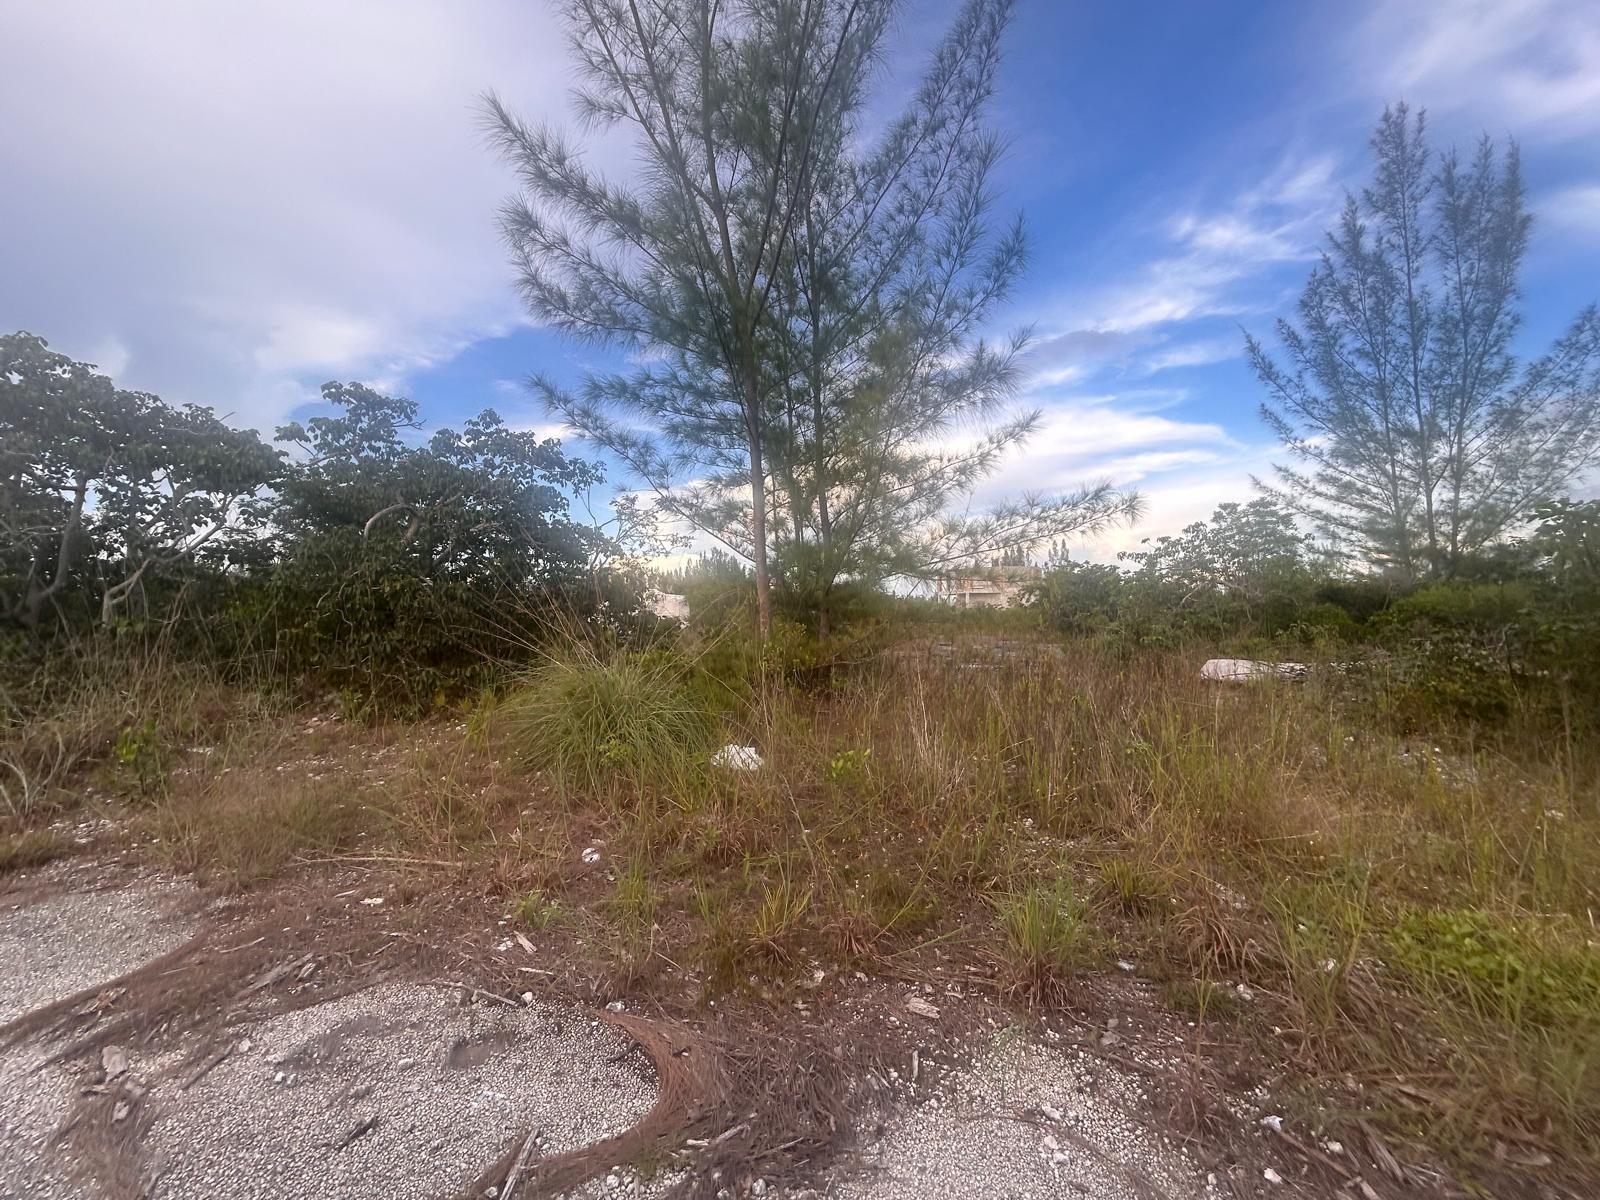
x=1152 y=929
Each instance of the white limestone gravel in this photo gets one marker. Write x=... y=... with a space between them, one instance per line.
x=1026 y=1120
x=448 y=1086
x=51 y=948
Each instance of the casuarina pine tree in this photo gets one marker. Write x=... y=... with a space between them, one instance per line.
x=806 y=302
x=1417 y=438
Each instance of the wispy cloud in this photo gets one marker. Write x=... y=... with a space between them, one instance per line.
x=1199 y=353
x=1209 y=255
x=1197 y=264
x=1106 y=437
x=1529 y=66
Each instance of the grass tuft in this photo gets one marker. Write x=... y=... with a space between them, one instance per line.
x=1045 y=934
x=33 y=848
x=590 y=720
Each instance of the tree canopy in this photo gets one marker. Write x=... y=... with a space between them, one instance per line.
x=102 y=488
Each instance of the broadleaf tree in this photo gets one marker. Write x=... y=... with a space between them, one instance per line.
x=1417 y=438
x=487 y=506
x=103 y=490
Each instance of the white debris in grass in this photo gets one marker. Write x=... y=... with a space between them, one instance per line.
x=737 y=758
x=1242 y=670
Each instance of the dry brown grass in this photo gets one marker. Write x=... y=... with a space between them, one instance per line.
x=1417 y=919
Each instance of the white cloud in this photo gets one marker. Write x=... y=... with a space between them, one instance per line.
x=1210 y=263
x=1179 y=499
x=1574 y=210
x=109 y=356
x=1193 y=354
x=1213 y=255
x=1530 y=67
x=1093 y=438
x=246 y=199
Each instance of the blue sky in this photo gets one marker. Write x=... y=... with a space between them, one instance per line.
x=230 y=204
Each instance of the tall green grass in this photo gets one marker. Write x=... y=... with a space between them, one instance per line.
x=590 y=719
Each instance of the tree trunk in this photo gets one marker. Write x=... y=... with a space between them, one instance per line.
x=758 y=506
x=825 y=571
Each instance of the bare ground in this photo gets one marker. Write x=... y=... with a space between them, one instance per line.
x=309 y=1042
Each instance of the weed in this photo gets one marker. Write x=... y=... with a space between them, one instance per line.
x=243 y=829
x=1518 y=972
x=1044 y=930
x=1132 y=885
x=886 y=904
x=848 y=765
x=537 y=911
x=632 y=903
x=1202 y=999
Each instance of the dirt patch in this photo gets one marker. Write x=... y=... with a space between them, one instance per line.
x=1024 y=1119
x=370 y=1095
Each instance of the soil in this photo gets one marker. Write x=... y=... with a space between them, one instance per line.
x=346 y=1033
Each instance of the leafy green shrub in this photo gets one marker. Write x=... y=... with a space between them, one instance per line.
x=1516 y=972
x=588 y=719
x=848 y=765
x=1461 y=650
x=144 y=755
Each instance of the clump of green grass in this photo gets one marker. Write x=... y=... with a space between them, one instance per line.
x=537 y=910
x=1045 y=935
x=589 y=720
x=756 y=932
x=887 y=903
x=1132 y=885
x=632 y=903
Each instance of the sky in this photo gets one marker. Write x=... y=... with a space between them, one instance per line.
x=229 y=204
